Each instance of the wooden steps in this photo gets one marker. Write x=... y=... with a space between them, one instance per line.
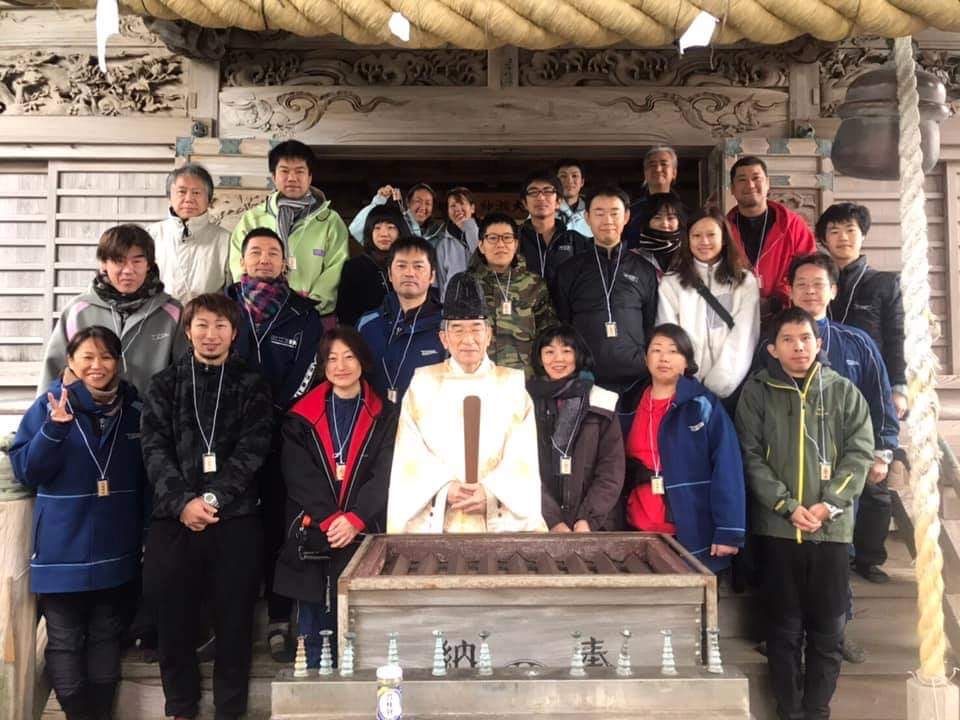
x=884 y=624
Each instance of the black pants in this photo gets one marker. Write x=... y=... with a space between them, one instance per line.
x=873 y=522
x=83 y=648
x=181 y=567
x=805 y=588
x=273 y=500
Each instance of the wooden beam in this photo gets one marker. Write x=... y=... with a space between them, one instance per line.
x=804 y=94
x=544 y=117
x=141 y=129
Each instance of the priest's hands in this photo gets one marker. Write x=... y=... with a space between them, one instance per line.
x=341 y=533
x=471 y=499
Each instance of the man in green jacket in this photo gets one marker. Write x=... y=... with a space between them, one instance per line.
x=313 y=234
x=807 y=446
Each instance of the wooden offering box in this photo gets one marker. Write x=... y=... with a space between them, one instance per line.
x=530 y=592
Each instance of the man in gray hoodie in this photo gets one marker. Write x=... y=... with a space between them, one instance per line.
x=127 y=296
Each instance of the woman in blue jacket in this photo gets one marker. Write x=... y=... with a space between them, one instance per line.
x=683 y=457
x=79 y=448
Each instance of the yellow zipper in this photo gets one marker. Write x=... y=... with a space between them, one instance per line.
x=802 y=445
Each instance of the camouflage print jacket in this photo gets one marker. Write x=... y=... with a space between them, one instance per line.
x=531 y=311
x=173 y=448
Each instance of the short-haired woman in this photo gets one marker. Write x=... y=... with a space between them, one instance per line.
x=712 y=295
x=684 y=472
x=79 y=447
x=579 y=438
x=336 y=452
x=126 y=296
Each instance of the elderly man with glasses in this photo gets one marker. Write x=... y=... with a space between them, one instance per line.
x=430 y=488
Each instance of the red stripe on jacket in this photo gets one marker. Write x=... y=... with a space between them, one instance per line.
x=313 y=408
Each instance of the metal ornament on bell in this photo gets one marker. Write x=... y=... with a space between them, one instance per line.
x=867 y=141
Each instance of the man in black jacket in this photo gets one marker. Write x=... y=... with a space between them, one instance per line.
x=867 y=299
x=278 y=335
x=609 y=294
x=206 y=428
x=545 y=241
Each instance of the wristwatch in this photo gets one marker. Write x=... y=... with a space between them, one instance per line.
x=210 y=499
x=833 y=510
x=884 y=455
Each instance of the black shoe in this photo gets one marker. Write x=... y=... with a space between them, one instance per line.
x=872 y=573
x=852 y=652
x=281 y=649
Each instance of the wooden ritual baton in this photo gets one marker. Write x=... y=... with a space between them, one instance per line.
x=462 y=522
x=471 y=438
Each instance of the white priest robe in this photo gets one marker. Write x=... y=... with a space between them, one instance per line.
x=428 y=454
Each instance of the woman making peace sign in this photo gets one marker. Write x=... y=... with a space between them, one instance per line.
x=79 y=447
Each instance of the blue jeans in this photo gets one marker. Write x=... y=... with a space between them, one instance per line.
x=311 y=619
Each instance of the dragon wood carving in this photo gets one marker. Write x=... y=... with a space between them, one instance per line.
x=293 y=112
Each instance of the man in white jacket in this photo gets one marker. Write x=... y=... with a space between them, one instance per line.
x=192 y=249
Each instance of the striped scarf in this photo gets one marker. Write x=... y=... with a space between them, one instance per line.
x=263 y=298
x=290 y=212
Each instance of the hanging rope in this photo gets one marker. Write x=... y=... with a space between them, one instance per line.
x=541 y=24
x=920 y=327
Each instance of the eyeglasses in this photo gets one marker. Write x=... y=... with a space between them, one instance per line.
x=506 y=239
x=817 y=286
x=541 y=192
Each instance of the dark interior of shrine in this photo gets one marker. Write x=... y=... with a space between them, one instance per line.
x=350 y=177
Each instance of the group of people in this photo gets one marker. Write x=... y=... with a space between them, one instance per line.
x=222 y=413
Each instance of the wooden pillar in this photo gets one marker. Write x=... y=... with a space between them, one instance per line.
x=18 y=612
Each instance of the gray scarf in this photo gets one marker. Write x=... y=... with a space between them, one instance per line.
x=290 y=212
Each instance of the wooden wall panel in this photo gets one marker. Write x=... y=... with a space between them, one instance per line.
x=51 y=217
x=883 y=242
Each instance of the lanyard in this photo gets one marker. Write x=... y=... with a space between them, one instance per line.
x=253 y=328
x=603 y=279
x=542 y=253
x=503 y=293
x=853 y=291
x=338 y=453
x=106 y=466
x=392 y=381
x=196 y=409
x=654 y=449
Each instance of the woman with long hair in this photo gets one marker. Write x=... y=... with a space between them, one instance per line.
x=711 y=294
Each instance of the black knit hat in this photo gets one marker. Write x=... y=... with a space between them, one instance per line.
x=464 y=298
